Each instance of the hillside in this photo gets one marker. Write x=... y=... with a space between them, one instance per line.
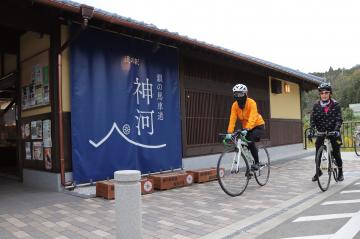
x=346 y=85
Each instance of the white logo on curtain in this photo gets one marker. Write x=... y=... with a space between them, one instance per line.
x=144 y=118
x=115 y=127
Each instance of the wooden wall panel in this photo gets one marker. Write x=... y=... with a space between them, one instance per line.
x=285 y=131
x=207 y=97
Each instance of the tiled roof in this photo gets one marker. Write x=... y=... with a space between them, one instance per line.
x=178 y=37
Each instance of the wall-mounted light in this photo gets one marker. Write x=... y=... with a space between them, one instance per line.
x=287 y=88
x=87 y=13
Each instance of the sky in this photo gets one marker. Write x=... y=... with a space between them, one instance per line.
x=306 y=35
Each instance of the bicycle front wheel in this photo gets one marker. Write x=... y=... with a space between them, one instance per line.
x=357 y=144
x=335 y=173
x=233 y=172
x=323 y=168
x=262 y=175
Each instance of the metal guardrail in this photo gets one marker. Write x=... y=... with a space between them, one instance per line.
x=347 y=134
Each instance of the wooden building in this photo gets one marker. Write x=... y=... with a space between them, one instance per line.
x=36 y=38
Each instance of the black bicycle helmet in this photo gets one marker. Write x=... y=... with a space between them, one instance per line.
x=325 y=86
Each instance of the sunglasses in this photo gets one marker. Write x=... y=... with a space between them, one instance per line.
x=324 y=92
x=239 y=94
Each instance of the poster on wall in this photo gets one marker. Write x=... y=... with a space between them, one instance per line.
x=47 y=133
x=28 y=150
x=25 y=97
x=47 y=158
x=46 y=85
x=46 y=94
x=27 y=130
x=36 y=129
x=37 y=93
x=31 y=98
x=37 y=151
x=36 y=74
x=23 y=131
x=133 y=120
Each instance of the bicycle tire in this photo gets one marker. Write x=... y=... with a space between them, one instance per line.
x=357 y=144
x=335 y=174
x=323 y=165
x=232 y=182
x=262 y=175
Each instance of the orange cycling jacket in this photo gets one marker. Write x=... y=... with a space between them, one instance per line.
x=249 y=116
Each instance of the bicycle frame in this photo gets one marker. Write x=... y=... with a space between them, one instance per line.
x=329 y=149
x=239 y=143
x=328 y=146
x=236 y=162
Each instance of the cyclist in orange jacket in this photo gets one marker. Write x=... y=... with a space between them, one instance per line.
x=253 y=125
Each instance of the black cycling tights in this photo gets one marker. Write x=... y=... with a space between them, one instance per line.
x=254 y=135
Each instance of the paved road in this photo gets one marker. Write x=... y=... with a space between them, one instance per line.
x=199 y=211
x=337 y=215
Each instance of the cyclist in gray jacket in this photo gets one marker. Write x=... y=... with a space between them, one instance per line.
x=326 y=116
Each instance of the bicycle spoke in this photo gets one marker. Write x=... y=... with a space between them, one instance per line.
x=262 y=175
x=232 y=173
x=323 y=170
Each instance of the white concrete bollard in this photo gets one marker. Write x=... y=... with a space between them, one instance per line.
x=128 y=204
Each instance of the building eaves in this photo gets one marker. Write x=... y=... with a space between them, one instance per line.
x=131 y=23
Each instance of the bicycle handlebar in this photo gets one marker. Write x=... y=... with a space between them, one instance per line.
x=234 y=135
x=329 y=133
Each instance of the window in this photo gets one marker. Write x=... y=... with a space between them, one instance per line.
x=276 y=86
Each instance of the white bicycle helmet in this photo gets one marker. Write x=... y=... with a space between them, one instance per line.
x=240 y=88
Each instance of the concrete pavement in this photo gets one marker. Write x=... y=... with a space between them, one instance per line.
x=199 y=211
x=336 y=215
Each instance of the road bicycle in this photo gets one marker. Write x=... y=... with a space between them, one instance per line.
x=357 y=141
x=325 y=162
x=235 y=165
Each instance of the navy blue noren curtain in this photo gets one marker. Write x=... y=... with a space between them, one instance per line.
x=125 y=108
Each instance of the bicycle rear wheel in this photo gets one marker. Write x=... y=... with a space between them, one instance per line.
x=262 y=175
x=233 y=172
x=323 y=170
x=357 y=144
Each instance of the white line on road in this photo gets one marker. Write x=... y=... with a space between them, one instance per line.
x=350 y=191
x=341 y=202
x=262 y=222
x=311 y=237
x=350 y=229
x=324 y=217
x=357 y=184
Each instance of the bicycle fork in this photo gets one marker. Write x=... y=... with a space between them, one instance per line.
x=235 y=166
x=328 y=156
